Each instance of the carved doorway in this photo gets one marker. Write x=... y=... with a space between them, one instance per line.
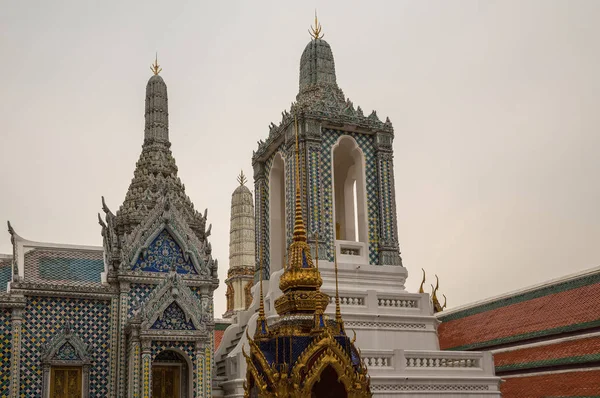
x=65 y=382
x=170 y=376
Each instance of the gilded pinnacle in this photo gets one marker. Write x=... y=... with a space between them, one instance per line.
x=155 y=68
x=315 y=31
x=242 y=178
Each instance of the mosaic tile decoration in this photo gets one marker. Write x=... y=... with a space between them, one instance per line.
x=5 y=350
x=365 y=142
x=161 y=254
x=173 y=319
x=314 y=191
x=386 y=179
x=138 y=293
x=44 y=317
x=64 y=266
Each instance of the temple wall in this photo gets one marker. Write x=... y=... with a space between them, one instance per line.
x=44 y=317
x=5 y=350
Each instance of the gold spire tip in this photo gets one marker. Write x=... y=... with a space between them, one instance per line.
x=242 y=178
x=155 y=68
x=315 y=31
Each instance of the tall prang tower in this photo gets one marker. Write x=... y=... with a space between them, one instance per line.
x=347 y=193
x=347 y=177
x=241 y=250
x=159 y=260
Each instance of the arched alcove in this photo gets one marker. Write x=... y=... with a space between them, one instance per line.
x=277 y=232
x=172 y=375
x=349 y=196
x=328 y=385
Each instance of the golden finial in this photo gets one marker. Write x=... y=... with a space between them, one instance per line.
x=421 y=290
x=156 y=67
x=315 y=31
x=242 y=178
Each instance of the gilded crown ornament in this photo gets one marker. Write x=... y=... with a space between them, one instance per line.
x=315 y=31
x=155 y=68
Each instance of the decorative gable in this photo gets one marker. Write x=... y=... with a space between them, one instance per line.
x=163 y=254
x=173 y=306
x=173 y=318
x=65 y=348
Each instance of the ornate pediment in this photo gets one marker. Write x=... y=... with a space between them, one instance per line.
x=65 y=347
x=173 y=306
x=164 y=223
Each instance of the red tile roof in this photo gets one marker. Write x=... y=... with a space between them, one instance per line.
x=553 y=309
x=567 y=384
x=218 y=337
x=547 y=353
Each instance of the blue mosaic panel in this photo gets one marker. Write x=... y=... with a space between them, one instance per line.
x=138 y=294
x=5 y=350
x=162 y=253
x=44 y=318
x=173 y=319
x=67 y=353
x=5 y=274
x=365 y=142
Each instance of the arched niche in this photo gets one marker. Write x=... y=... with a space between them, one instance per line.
x=277 y=230
x=349 y=198
x=172 y=374
x=328 y=385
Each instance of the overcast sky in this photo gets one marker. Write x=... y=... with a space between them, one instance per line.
x=494 y=105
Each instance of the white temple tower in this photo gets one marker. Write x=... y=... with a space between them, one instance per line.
x=241 y=250
x=348 y=196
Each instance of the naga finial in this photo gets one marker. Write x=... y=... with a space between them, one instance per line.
x=155 y=68
x=421 y=290
x=242 y=178
x=315 y=31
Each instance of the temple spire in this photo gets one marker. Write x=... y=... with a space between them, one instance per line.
x=299 y=229
x=157 y=107
x=262 y=329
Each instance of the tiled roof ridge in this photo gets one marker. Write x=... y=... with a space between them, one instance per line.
x=569 y=282
x=572 y=360
x=526 y=336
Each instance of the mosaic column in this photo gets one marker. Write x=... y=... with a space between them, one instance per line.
x=314 y=189
x=146 y=386
x=123 y=311
x=134 y=365
x=389 y=251
x=261 y=194
x=200 y=370
x=15 y=372
x=114 y=344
